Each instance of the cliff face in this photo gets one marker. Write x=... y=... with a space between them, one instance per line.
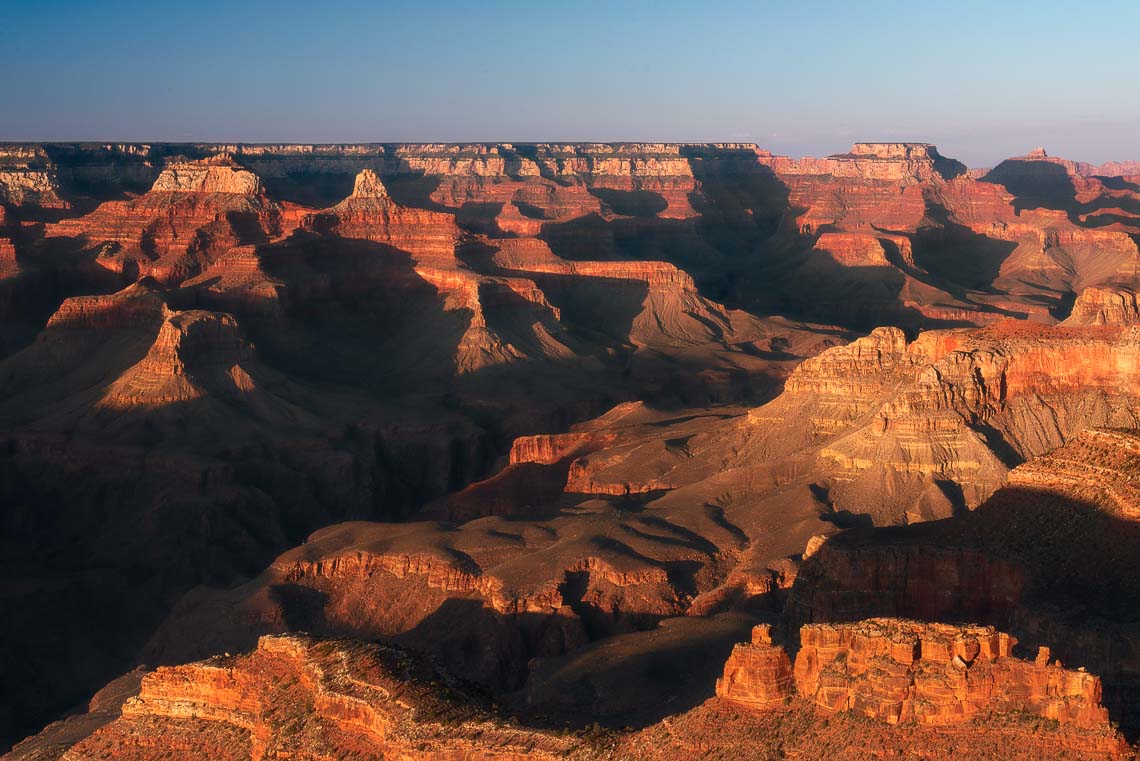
x=208 y=352
x=28 y=179
x=893 y=162
x=1105 y=306
x=1047 y=556
x=895 y=670
x=757 y=674
x=902 y=671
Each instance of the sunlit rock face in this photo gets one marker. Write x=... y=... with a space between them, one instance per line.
x=532 y=408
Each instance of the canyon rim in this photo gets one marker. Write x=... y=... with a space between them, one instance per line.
x=397 y=445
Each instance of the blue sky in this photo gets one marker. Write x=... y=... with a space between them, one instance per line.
x=983 y=80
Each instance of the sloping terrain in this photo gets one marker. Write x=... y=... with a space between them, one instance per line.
x=533 y=409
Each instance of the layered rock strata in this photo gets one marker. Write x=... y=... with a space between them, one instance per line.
x=757 y=674
x=896 y=670
x=296 y=697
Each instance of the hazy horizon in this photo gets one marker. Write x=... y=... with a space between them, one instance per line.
x=981 y=83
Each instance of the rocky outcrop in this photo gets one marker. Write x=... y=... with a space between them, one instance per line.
x=884 y=407
x=371 y=214
x=195 y=353
x=27 y=178
x=1105 y=306
x=898 y=670
x=909 y=673
x=894 y=162
x=138 y=305
x=295 y=696
x=757 y=674
x=301 y=697
x=218 y=174
x=194 y=213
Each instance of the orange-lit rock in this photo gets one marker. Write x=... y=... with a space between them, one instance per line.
x=195 y=353
x=757 y=674
x=897 y=670
x=1105 y=306
x=296 y=697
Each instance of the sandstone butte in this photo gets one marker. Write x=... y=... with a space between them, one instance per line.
x=902 y=671
x=552 y=397
x=896 y=670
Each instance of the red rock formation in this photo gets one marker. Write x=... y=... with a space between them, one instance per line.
x=28 y=179
x=193 y=214
x=463 y=295
x=1048 y=547
x=894 y=162
x=1105 y=306
x=138 y=305
x=303 y=698
x=435 y=590
x=300 y=697
x=758 y=674
x=371 y=214
x=194 y=354
x=898 y=670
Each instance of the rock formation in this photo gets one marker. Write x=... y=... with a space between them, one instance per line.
x=296 y=697
x=757 y=674
x=900 y=671
x=897 y=670
x=218 y=174
x=299 y=697
x=27 y=178
x=406 y=353
x=1105 y=306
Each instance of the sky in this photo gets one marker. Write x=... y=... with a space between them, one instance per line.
x=982 y=80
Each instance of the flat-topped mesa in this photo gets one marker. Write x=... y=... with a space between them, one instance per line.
x=895 y=151
x=854 y=249
x=1105 y=305
x=893 y=162
x=897 y=670
x=757 y=674
x=217 y=174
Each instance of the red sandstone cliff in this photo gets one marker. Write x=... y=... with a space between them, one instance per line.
x=899 y=672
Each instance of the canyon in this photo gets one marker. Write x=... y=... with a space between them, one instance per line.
x=462 y=451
